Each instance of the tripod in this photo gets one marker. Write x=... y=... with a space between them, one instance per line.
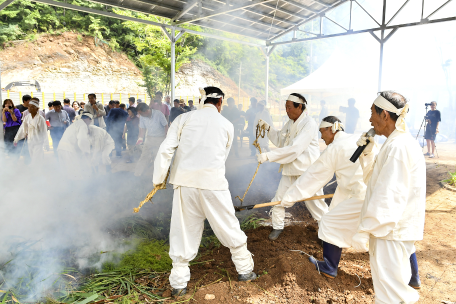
x=423 y=125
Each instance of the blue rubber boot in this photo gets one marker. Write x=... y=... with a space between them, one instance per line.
x=415 y=280
x=331 y=257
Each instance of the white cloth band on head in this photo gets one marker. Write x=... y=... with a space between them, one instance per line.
x=336 y=126
x=87 y=114
x=204 y=97
x=295 y=99
x=35 y=103
x=384 y=104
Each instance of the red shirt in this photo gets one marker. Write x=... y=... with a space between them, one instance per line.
x=163 y=108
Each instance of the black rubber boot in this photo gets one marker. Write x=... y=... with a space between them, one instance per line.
x=179 y=292
x=247 y=277
x=274 y=235
x=415 y=280
x=331 y=257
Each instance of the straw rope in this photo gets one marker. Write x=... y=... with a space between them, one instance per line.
x=260 y=132
x=152 y=193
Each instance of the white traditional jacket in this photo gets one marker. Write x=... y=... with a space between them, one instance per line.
x=101 y=146
x=297 y=144
x=203 y=141
x=36 y=131
x=335 y=159
x=76 y=138
x=394 y=207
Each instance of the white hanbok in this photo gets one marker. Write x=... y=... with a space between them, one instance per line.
x=201 y=141
x=35 y=129
x=264 y=115
x=73 y=151
x=340 y=223
x=102 y=145
x=297 y=148
x=393 y=214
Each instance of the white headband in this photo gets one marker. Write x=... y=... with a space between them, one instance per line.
x=384 y=104
x=295 y=99
x=336 y=126
x=204 y=97
x=87 y=114
x=35 y=103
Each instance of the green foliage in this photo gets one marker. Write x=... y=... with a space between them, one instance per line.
x=148 y=255
x=452 y=178
x=10 y=32
x=251 y=222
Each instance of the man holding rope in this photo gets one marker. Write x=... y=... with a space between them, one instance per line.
x=201 y=141
x=340 y=223
x=297 y=148
x=392 y=216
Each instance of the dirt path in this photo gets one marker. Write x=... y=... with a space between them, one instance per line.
x=288 y=277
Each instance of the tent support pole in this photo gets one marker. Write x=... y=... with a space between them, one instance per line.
x=382 y=42
x=267 y=77
x=173 y=61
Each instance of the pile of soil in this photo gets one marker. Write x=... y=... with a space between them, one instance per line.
x=285 y=276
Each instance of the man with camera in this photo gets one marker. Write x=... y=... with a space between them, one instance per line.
x=432 y=119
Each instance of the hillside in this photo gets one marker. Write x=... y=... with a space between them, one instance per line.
x=73 y=62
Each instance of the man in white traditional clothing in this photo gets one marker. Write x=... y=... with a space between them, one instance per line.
x=340 y=223
x=297 y=148
x=34 y=129
x=264 y=115
x=201 y=141
x=392 y=216
x=74 y=148
x=102 y=145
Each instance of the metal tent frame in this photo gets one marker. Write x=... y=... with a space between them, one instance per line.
x=265 y=21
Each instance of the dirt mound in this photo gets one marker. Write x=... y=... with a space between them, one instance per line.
x=285 y=276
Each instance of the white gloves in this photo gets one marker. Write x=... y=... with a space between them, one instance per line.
x=262 y=158
x=362 y=141
x=261 y=123
x=360 y=241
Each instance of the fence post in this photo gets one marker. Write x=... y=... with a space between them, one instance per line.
x=7 y=94
x=74 y=96
x=31 y=93
x=54 y=96
x=63 y=95
x=102 y=98
x=120 y=97
x=44 y=104
x=111 y=96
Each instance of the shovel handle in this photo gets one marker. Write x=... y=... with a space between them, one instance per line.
x=240 y=208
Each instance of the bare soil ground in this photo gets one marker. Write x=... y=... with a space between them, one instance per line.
x=288 y=277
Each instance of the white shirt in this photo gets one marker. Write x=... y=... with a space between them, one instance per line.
x=335 y=159
x=35 y=129
x=395 y=202
x=76 y=138
x=297 y=144
x=155 y=124
x=101 y=146
x=203 y=141
x=89 y=108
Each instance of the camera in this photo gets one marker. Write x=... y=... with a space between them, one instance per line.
x=9 y=107
x=428 y=104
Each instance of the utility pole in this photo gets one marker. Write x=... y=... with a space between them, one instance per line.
x=239 y=86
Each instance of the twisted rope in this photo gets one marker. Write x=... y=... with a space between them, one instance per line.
x=152 y=193
x=260 y=132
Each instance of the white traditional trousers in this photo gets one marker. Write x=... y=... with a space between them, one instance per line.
x=149 y=151
x=391 y=272
x=340 y=223
x=191 y=206
x=316 y=208
x=75 y=165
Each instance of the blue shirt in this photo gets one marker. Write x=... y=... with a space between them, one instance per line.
x=116 y=119
x=57 y=118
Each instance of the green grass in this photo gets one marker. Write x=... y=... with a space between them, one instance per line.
x=452 y=179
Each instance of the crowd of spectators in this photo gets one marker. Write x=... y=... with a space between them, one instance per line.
x=129 y=126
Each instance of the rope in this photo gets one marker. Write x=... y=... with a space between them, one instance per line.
x=260 y=132
x=152 y=193
x=310 y=256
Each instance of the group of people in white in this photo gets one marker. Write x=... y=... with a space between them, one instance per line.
x=378 y=206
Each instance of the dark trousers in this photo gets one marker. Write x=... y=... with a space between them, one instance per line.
x=116 y=135
x=10 y=133
x=56 y=135
x=252 y=137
